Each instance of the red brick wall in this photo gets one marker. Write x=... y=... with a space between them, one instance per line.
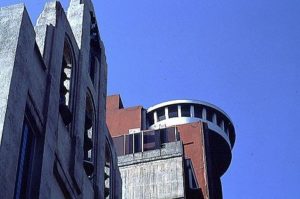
x=114 y=102
x=193 y=142
x=119 y=120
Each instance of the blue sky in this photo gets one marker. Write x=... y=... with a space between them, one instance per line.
x=241 y=55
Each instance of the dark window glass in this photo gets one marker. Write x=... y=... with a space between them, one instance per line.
x=129 y=144
x=192 y=181
x=137 y=142
x=225 y=127
x=119 y=145
x=163 y=136
x=150 y=118
x=167 y=135
x=151 y=140
x=209 y=115
x=25 y=162
x=161 y=114
x=173 y=111
x=185 y=110
x=198 y=111
x=219 y=120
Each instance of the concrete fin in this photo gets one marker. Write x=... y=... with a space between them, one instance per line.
x=78 y=15
x=50 y=14
x=10 y=24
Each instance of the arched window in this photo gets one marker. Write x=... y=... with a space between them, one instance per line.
x=88 y=162
x=65 y=83
x=95 y=49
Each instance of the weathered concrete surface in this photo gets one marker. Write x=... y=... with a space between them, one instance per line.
x=31 y=61
x=153 y=174
x=10 y=23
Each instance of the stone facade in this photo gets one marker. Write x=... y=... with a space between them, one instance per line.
x=54 y=142
x=154 y=174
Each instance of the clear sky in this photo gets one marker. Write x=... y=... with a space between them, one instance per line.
x=241 y=55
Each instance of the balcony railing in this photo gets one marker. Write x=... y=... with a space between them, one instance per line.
x=145 y=140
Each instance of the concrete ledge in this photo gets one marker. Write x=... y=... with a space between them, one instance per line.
x=169 y=150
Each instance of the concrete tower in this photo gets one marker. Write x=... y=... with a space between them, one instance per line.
x=175 y=149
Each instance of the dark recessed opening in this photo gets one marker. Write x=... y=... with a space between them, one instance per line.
x=198 y=111
x=150 y=118
x=161 y=114
x=209 y=115
x=185 y=110
x=173 y=111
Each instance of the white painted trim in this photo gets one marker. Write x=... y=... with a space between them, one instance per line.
x=155 y=117
x=185 y=120
x=204 y=114
x=179 y=110
x=172 y=102
x=192 y=111
x=167 y=112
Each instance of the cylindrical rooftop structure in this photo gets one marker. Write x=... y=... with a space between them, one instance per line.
x=179 y=112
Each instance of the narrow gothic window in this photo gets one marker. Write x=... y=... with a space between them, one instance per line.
x=88 y=163
x=95 y=49
x=65 y=85
x=107 y=172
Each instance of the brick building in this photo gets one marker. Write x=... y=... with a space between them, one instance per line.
x=54 y=142
x=175 y=149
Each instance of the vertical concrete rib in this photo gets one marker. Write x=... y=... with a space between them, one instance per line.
x=10 y=24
